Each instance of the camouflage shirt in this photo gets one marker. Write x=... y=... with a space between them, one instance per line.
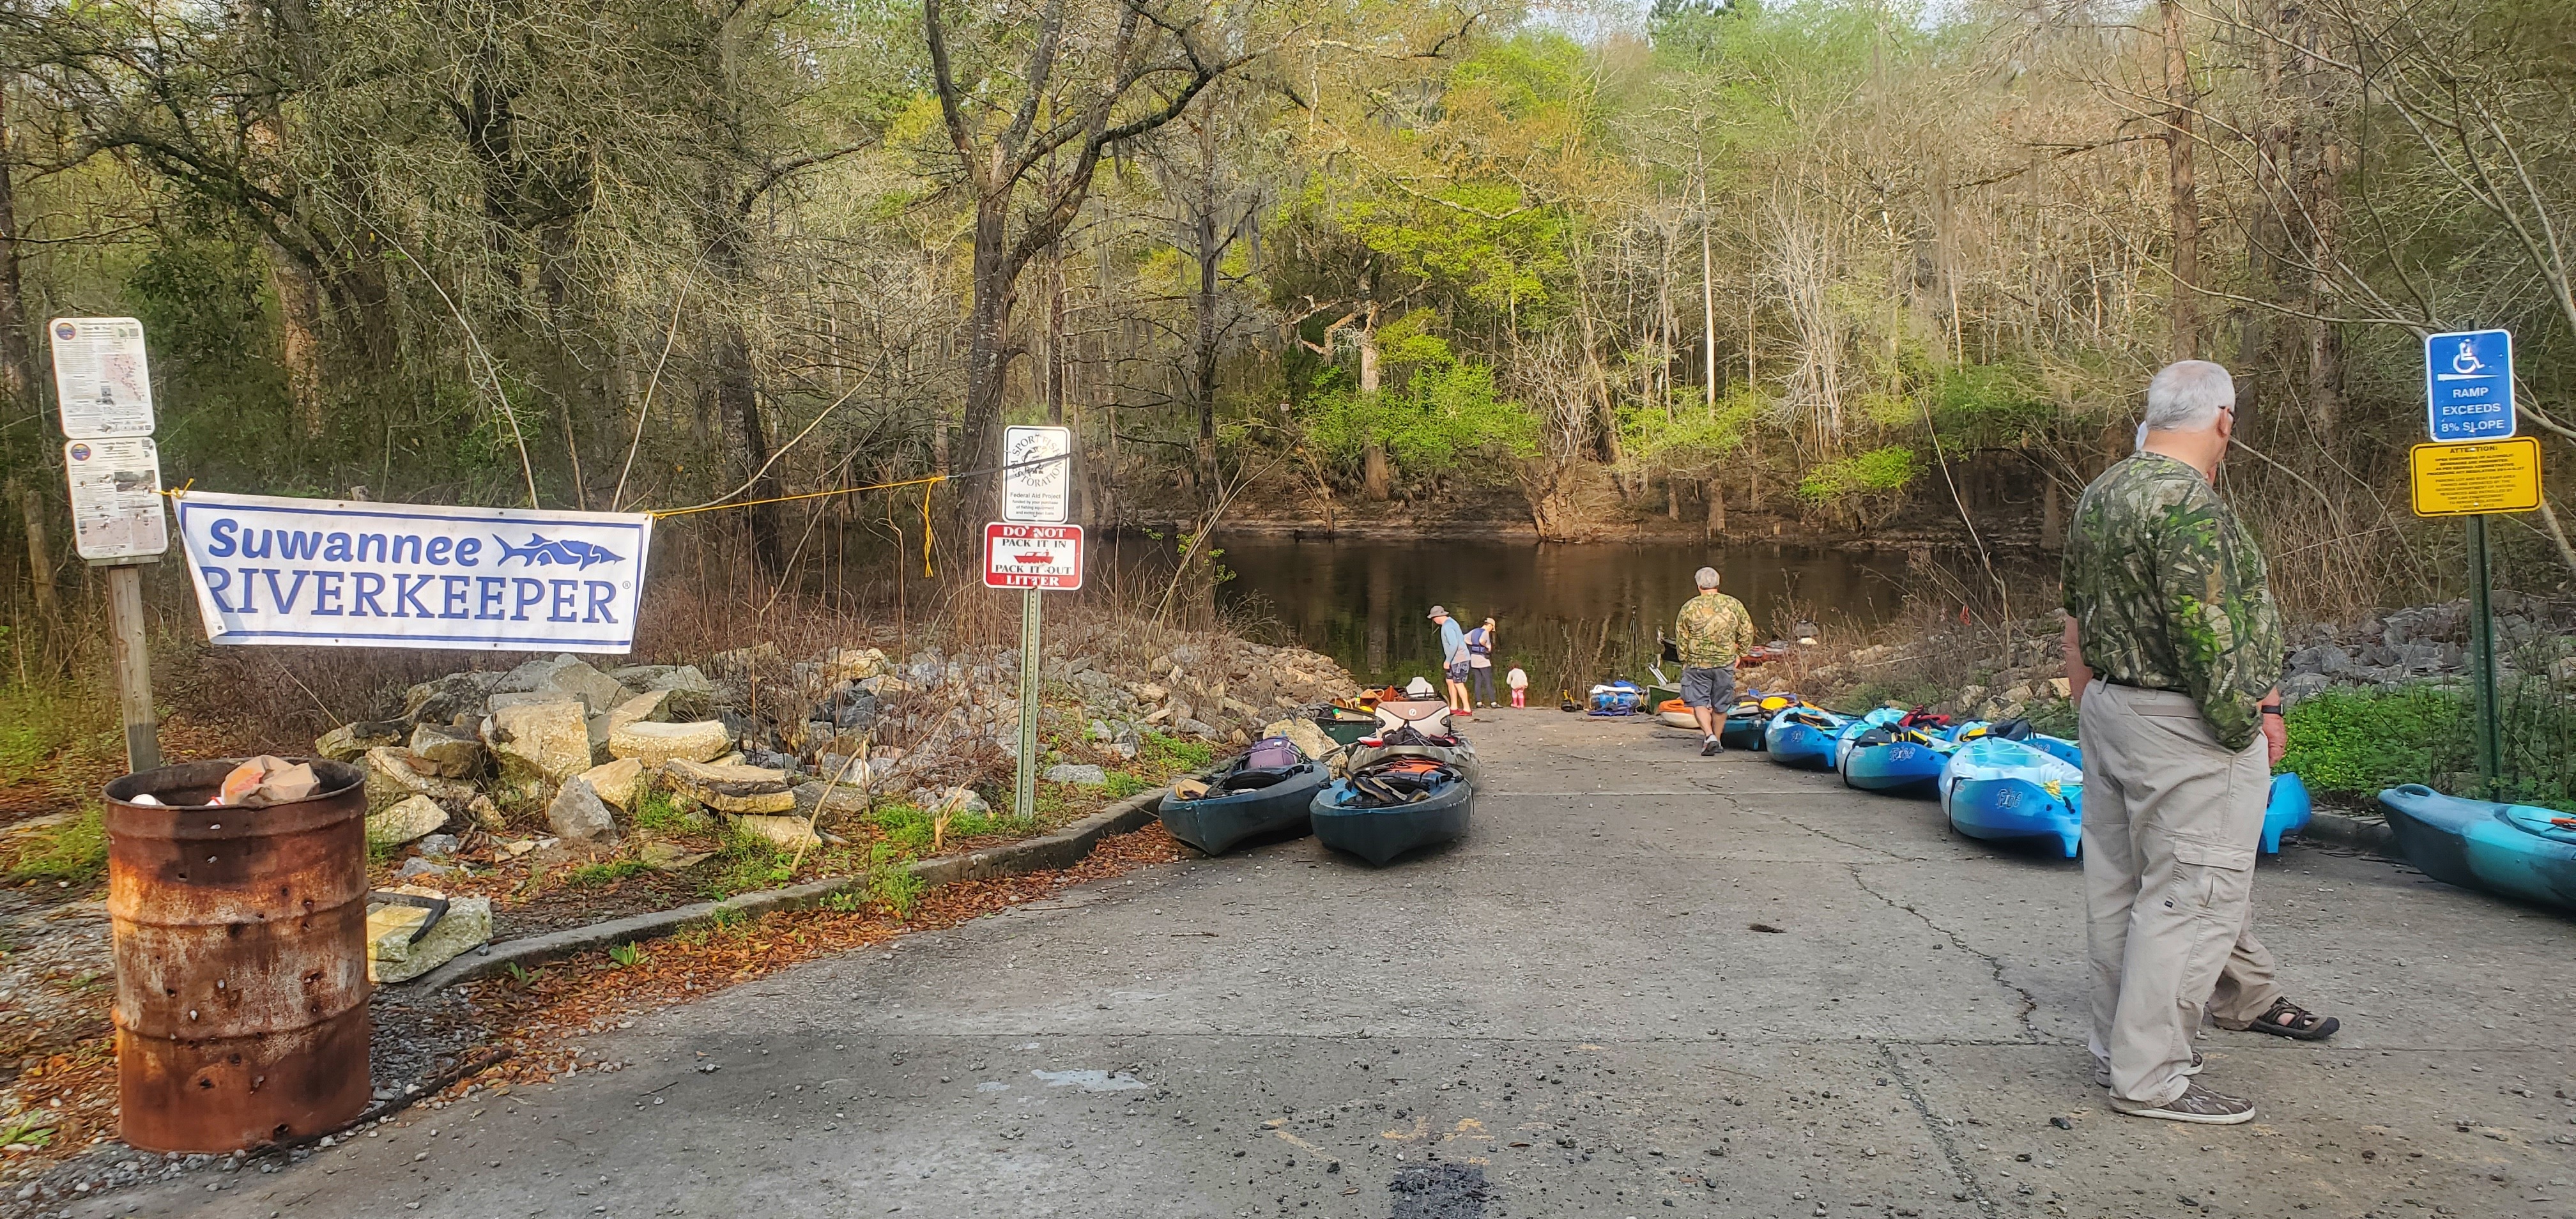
x=2168 y=592
x=1714 y=629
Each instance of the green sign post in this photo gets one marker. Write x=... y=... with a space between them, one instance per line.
x=2475 y=467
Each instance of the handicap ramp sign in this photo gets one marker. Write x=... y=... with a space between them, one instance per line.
x=2468 y=385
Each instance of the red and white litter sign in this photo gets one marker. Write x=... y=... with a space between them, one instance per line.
x=1033 y=556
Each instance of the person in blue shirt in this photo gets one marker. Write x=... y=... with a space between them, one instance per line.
x=1453 y=660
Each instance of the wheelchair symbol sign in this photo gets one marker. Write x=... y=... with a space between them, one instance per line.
x=2468 y=385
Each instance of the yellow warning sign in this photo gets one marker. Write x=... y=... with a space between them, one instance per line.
x=2468 y=479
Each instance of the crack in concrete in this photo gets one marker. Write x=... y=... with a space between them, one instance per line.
x=1940 y=1132
x=1994 y=964
x=1793 y=823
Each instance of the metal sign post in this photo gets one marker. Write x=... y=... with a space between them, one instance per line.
x=1031 y=549
x=103 y=391
x=2475 y=467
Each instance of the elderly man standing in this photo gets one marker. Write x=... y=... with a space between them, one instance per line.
x=1715 y=631
x=2169 y=608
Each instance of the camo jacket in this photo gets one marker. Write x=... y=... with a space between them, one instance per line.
x=2169 y=592
x=1714 y=629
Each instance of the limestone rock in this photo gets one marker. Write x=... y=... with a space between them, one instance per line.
x=393 y=774
x=1078 y=775
x=655 y=744
x=637 y=710
x=539 y=745
x=787 y=833
x=563 y=676
x=393 y=957
x=414 y=817
x=486 y=814
x=531 y=698
x=951 y=800
x=671 y=857
x=349 y=742
x=735 y=789
x=617 y=783
x=744 y=660
x=641 y=677
x=851 y=664
x=843 y=800
x=444 y=700
x=578 y=814
x=1196 y=728
x=453 y=753
x=1303 y=733
x=438 y=846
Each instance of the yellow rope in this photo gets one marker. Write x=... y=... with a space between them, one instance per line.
x=786 y=499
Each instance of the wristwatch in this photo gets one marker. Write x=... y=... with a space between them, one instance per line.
x=2270 y=709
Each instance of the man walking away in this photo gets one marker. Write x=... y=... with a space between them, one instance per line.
x=1714 y=630
x=1453 y=660
x=2168 y=605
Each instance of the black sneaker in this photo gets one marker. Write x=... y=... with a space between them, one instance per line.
x=1713 y=748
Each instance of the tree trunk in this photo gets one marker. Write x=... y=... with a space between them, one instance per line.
x=1203 y=305
x=299 y=312
x=1376 y=475
x=2052 y=516
x=2185 y=309
x=1672 y=499
x=988 y=321
x=1716 y=493
x=40 y=556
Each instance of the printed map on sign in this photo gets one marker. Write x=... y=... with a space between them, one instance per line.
x=101 y=378
x=304 y=571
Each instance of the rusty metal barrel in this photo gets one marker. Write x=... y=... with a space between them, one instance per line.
x=241 y=959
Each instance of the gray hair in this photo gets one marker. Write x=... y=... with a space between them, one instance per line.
x=1705 y=577
x=2187 y=396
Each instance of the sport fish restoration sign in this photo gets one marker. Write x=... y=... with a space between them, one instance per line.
x=327 y=572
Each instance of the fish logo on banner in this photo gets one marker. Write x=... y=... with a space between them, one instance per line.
x=270 y=570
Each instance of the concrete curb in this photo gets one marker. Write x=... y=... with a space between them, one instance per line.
x=2356 y=833
x=1062 y=848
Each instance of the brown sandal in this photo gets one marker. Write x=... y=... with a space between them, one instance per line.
x=2287 y=1019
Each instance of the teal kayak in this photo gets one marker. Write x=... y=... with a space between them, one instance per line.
x=2015 y=791
x=1245 y=803
x=2033 y=790
x=1895 y=761
x=1804 y=737
x=1345 y=822
x=2518 y=850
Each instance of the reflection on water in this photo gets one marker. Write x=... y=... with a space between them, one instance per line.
x=1363 y=602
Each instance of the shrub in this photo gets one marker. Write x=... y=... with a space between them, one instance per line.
x=2360 y=741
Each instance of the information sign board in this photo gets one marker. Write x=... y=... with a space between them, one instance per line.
x=2468 y=385
x=116 y=498
x=1040 y=469
x=2467 y=479
x=1045 y=557
x=102 y=382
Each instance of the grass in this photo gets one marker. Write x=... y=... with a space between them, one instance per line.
x=661 y=812
x=745 y=863
x=26 y=1130
x=1123 y=785
x=40 y=725
x=627 y=955
x=1171 y=753
x=72 y=852
x=890 y=879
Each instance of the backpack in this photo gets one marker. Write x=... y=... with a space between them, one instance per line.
x=1273 y=753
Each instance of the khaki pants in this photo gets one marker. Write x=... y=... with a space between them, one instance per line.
x=2171 y=820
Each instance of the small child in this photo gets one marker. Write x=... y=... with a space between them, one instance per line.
x=1519 y=682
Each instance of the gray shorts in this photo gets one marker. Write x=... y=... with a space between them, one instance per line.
x=1708 y=687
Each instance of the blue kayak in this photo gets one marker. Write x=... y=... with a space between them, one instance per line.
x=2034 y=790
x=2518 y=850
x=1849 y=737
x=2015 y=791
x=1804 y=737
x=1896 y=761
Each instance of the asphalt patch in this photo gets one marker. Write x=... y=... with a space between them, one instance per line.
x=1439 y=1191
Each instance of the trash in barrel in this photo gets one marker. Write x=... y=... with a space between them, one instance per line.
x=241 y=952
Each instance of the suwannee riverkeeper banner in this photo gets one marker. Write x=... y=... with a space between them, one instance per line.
x=270 y=570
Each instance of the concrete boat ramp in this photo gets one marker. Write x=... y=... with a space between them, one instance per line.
x=1647 y=984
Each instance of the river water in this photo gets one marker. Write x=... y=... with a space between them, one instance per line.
x=1364 y=602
